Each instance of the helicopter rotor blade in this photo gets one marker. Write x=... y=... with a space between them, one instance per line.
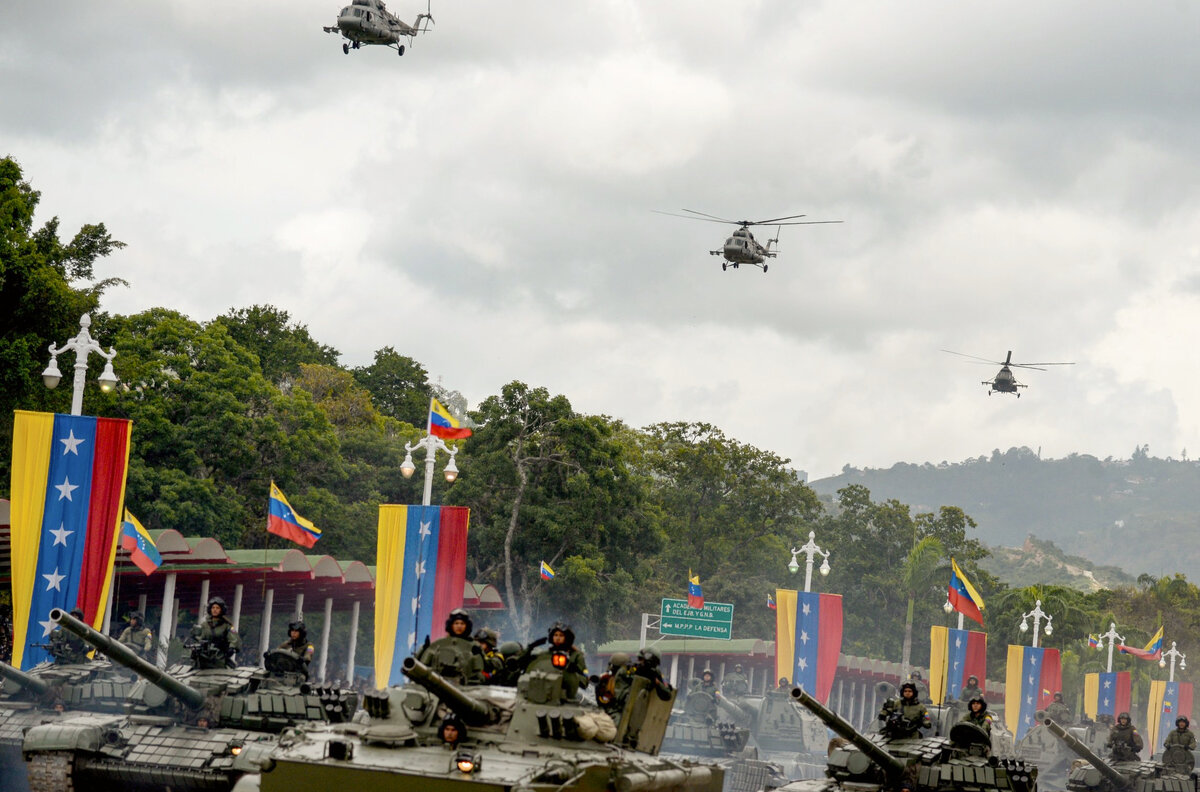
x=712 y=217
x=690 y=217
x=1028 y=365
x=975 y=357
x=808 y=222
x=1025 y=366
x=775 y=220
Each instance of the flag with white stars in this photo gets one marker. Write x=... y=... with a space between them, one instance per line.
x=1168 y=701
x=1034 y=676
x=1106 y=693
x=68 y=492
x=808 y=639
x=421 y=569
x=955 y=655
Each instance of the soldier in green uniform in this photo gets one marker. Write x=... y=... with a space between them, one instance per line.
x=1124 y=742
x=137 y=636
x=219 y=642
x=905 y=715
x=977 y=714
x=562 y=640
x=1058 y=711
x=66 y=647
x=735 y=683
x=297 y=643
x=922 y=688
x=970 y=690
x=1182 y=736
x=784 y=686
x=455 y=655
x=647 y=666
x=707 y=685
x=613 y=688
x=1178 y=746
x=493 y=662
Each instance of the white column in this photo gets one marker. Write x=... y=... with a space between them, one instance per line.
x=164 y=622
x=691 y=667
x=264 y=633
x=108 y=607
x=675 y=670
x=142 y=607
x=325 y=637
x=353 y=643
x=721 y=679
x=299 y=614
x=203 y=611
x=174 y=615
x=237 y=606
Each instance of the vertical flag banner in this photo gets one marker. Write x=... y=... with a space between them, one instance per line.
x=444 y=425
x=1106 y=693
x=962 y=595
x=283 y=521
x=1168 y=700
x=68 y=495
x=955 y=655
x=1034 y=676
x=1152 y=650
x=137 y=540
x=695 y=597
x=808 y=639
x=546 y=572
x=421 y=568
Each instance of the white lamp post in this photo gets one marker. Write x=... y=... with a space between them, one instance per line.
x=1038 y=614
x=1112 y=637
x=83 y=345
x=810 y=549
x=1174 y=654
x=432 y=445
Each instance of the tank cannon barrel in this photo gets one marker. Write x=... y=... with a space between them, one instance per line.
x=123 y=655
x=892 y=766
x=32 y=684
x=1110 y=772
x=737 y=709
x=472 y=711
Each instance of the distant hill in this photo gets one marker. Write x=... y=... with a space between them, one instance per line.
x=1041 y=561
x=1139 y=514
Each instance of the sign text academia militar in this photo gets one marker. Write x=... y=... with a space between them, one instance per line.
x=715 y=620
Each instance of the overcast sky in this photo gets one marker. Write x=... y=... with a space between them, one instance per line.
x=1013 y=176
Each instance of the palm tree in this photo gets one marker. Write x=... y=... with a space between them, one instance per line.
x=924 y=562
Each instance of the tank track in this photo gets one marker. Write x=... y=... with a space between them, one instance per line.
x=51 y=772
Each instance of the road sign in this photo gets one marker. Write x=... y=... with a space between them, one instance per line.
x=714 y=620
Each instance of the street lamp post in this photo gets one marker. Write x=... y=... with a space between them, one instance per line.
x=83 y=345
x=810 y=549
x=1112 y=637
x=1038 y=614
x=432 y=445
x=1173 y=653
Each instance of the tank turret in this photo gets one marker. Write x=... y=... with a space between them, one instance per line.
x=472 y=711
x=123 y=655
x=1102 y=776
x=741 y=713
x=24 y=681
x=890 y=765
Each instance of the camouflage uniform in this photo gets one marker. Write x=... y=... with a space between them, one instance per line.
x=455 y=656
x=137 y=637
x=66 y=647
x=1124 y=742
x=735 y=683
x=217 y=631
x=1058 y=711
x=911 y=710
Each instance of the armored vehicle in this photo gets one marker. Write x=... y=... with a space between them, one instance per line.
x=699 y=731
x=1052 y=755
x=182 y=729
x=532 y=736
x=781 y=732
x=1096 y=775
x=50 y=692
x=961 y=761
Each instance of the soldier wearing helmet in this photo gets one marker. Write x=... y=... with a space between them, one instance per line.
x=1124 y=742
x=734 y=683
x=66 y=647
x=137 y=636
x=970 y=690
x=977 y=713
x=297 y=642
x=493 y=662
x=455 y=655
x=1182 y=735
x=707 y=682
x=905 y=715
x=1058 y=711
x=613 y=687
x=219 y=642
x=647 y=666
x=565 y=657
x=1179 y=745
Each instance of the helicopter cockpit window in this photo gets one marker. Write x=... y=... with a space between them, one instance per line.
x=360 y=2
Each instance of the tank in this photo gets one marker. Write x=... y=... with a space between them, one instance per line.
x=960 y=761
x=528 y=737
x=1094 y=774
x=50 y=692
x=1052 y=755
x=700 y=731
x=182 y=728
x=781 y=732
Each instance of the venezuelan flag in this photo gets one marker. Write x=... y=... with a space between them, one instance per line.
x=808 y=639
x=1152 y=650
x=695 y=598
x=963 y=596
x=1168 y=700
x=1106 y=693
x=444 y=425
x=1093 y=642
x=546 y=572
x=283 y=521
x=954 y=656
x=421 y=568
x=68 y=494
x=136 y=539
x=1033 y=672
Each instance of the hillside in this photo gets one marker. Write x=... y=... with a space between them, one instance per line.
x=1139 y=514
x=1041 y=561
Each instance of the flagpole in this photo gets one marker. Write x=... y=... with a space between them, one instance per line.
x=1173 y=653
x=1112 y=637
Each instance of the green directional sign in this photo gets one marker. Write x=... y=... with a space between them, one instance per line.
x=714 y=620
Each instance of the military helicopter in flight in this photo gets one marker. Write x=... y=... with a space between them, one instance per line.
x=369 y=22
x=1004 y=381
x=741 y=247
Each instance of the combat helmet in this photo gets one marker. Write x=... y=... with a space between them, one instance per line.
x=458 y=614
x=565 y=629
x=216 y=601
x=650 y=656
x=298 y=626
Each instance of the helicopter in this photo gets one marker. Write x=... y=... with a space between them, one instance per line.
x=741 y=247
x=369 y=22
x=1004 y=381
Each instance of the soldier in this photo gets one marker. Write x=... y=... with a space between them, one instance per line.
x=137 y=637
x=647 y=667
x=575 y=673
x=455 y=656
x=219 y=642
x=1058 y=711
x=493 y=662
x=613 y=687
x=735 y=683
x=970 y=690
x=904 y=716
x=922 y=688
x=1124 y=742
x=1179 y=746
x=707 y=685
x=1182 y=736
x=784 y=686
x=452 y=732
x=977 y=714
x=297 y=643
x=512 y=656
x=65 y=646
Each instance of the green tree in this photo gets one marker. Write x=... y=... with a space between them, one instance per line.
x=921 y=573
x=281 y=346
x=43 y=293
x=398 y=384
